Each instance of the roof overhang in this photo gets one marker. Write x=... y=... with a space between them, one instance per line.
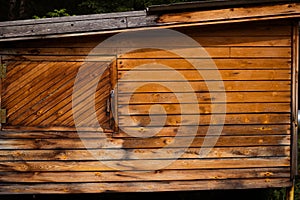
x=140 y=20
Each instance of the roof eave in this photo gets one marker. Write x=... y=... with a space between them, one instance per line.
x=98 y=24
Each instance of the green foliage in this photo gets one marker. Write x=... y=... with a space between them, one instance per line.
x=55 y=13
x=276 y=194
x=58 y=13
x=58 y=8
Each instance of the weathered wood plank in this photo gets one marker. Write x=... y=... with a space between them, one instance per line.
x=244 y=129
x=51 y=129
x=65 y=133
x=231 y=97
x=154 y=142
x=180 y=64
x=56 y=58
x=260 y=52
x=215 y=52
x=63 y=27
x=201 y=86
x=254 y=29
x=177 y=109
x=246 y=41
x=49 y=166
x=229 y=14
x=195 y=75
x=186 y=120
x=143 y=186
x=275 y=30
x=295 y=101
x=162 y=175
x=70 y=18
x=191 y=153
x=160 y=55
x=85 y=47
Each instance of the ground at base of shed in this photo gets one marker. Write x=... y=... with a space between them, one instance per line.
x=257 y=194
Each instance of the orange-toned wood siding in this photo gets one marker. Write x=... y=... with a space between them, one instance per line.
x=40 y=151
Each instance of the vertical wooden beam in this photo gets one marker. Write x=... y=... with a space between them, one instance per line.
x=295 y=63
x=114 y=98
x=294 y=142
x=1 y=63
x=290 y=193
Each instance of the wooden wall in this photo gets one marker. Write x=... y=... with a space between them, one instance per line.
x=40 y=151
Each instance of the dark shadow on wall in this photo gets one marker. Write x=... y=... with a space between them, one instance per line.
x=257 y=194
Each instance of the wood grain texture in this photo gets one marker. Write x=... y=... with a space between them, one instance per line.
x=136 y=143
x=205 y=109
x=42 y=96
x=41 y=152
x=215 y=52
x=180 y=164
x=47 y=133
x=162 y=175
x=189 y=120
x=231 y=97
x=237 y=14
x=195 y=75
x=181 y=64
x=142 y=186
x=191 y=153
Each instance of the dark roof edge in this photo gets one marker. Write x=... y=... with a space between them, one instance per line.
x=138 y=20
x=208 y=5
x=72 y=18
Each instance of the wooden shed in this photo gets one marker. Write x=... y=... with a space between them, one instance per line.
x=250 y=142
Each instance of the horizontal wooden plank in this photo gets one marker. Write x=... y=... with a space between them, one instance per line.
x=195 y=120
x=244 y=129
x=236 y=14
x=84 y=47
x=177 y=109
x=260 y=52
x=229 y=63
x=191 y=153
x=143 y=186
x=201 y=86
x=214 y=52
x=51 y=129
x=71 y=18
x=65 y=27
x=268 y=32
x=181 y=64
x=190 y=52
x=162 y=175
x=195 y=75
x=153 y=142
x=247 y=41
x=48 y=133
x=257 y=28
x=56 y=58
x=231 y=97
x=129 y=165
